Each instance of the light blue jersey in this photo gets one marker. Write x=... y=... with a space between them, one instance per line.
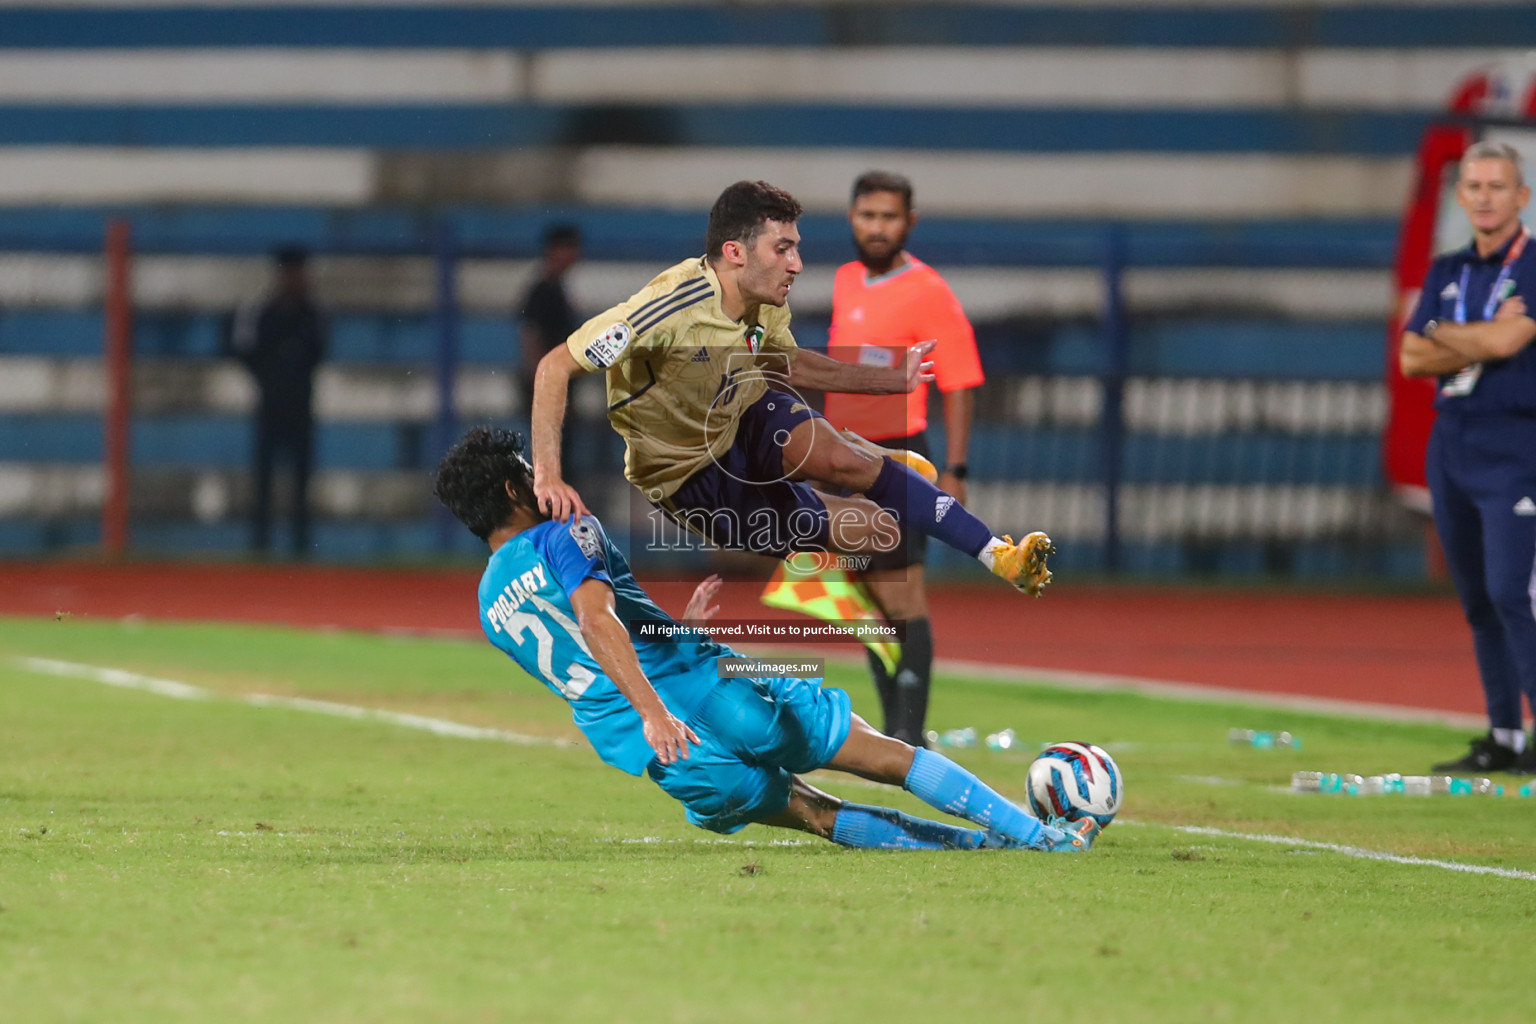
x=525 y=609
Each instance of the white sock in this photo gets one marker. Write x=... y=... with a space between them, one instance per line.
x=1514 y=739
x=988 y=553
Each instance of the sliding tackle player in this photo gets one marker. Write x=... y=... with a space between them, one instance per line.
x=649 y=695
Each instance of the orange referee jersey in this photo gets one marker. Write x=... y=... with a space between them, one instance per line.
x=875 y=321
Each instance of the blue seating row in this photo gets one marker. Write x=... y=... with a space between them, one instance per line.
x=1207 y=347
x=1010 y=452
x=1401 y=24
x=659 y=236
x=477 y=126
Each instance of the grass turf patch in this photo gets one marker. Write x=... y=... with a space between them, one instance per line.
x=195 y=860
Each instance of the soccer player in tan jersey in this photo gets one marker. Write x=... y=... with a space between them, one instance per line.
x=702 y=372
x=883 y=303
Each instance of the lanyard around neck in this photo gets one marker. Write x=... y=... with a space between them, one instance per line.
x=1494 y=298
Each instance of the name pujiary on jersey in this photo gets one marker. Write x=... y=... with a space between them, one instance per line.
x=513 y=595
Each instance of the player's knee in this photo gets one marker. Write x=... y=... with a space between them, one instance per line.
x=859 y=526
x=847 y=465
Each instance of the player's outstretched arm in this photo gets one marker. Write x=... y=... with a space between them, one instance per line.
x=609 y=643
x=551 y=388
x=823 y=373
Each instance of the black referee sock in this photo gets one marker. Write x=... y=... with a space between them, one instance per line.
x=914 y=677
x=885 y=686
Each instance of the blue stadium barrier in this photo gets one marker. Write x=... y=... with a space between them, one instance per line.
x=53 y=332
x=478 y=126
x=1306 y=560
x=211 y=441
x=355 y=337
x=350 y=542
x=1255 y=350
x=1261 y=349
x=388 y=338
x=1183 y=347
x=855 y=24
x=48 y=535
x=1190 y=347
x=660 y=235
x=50 y=439
x=1052 y=455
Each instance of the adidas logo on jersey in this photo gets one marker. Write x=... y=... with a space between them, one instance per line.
x=701 y=356
x=1525 y=507
x=1450 y=291
x=941 y=507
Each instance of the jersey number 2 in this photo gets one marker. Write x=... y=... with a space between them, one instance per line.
x=577 y=677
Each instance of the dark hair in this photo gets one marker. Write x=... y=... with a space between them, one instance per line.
x=883 y=181
x=564 y=233
x=739 y=213
x=291 y=257
x=471 y=479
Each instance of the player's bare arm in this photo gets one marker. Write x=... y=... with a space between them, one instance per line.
x=959 y=406
x=613 y=649
x=551 y=390
x=823 y=373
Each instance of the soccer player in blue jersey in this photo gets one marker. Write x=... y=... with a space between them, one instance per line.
x=559 y=598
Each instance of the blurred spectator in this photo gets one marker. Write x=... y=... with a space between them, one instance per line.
x=545 y=318
x=282 y=340
x=1473 y=330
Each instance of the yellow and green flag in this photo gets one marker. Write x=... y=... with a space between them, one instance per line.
x=808 y=583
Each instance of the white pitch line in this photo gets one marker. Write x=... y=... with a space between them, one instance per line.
x=186 y=691
x=445 y=727
x=1358 y=852
x=114 y=677
x=1098 y=682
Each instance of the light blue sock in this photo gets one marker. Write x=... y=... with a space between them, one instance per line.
x=938 y=781
x=882 y=828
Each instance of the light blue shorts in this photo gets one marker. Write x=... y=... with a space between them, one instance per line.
x=753 y=735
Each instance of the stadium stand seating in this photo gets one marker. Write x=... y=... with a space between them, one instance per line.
x=1246 y=166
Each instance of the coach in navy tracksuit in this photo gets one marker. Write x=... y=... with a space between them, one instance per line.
x=1473 y=330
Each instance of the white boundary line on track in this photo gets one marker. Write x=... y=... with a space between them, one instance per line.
x=185 y=691
x=444 y=727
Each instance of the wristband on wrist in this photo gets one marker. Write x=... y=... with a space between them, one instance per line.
x=1430 y=328
x=959 y=471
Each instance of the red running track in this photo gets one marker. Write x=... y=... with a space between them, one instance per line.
x=1411 y=651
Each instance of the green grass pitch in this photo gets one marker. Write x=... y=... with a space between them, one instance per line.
x=209 y=860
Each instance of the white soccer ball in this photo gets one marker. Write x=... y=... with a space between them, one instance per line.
x=1075 y=781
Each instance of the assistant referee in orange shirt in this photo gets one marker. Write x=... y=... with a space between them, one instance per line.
x=883 y=303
